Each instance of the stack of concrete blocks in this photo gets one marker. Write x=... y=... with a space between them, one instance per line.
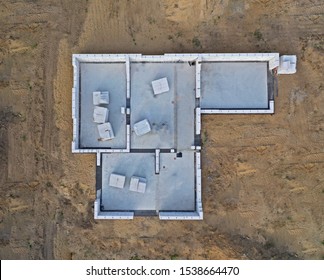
x=100 y=98
x=137 y=184
x=117 y=181
x=160 y=86
x=105 y=131
x=287 y=64
x=100 y=115
x=141 y=128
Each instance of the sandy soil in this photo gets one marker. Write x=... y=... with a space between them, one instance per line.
x=263 y=180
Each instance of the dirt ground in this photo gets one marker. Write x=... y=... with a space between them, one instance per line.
x=263 y=179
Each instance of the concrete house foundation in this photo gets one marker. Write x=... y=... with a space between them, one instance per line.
x=141 y=116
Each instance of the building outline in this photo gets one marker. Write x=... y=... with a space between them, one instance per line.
x=155 y=128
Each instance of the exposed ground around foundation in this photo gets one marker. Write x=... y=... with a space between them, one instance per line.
x=263 y=180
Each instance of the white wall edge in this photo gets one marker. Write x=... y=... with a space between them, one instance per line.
x=98 y=158
x=237 y=111
x=198 y=77
x=127 y=77
x=128 y=138
x=185 y=57
x=198 y=121
x=114 y=216
x=179 y=216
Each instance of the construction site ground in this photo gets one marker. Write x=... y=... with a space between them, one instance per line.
x=263 y=179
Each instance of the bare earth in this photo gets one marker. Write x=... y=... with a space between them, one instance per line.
x=263 y=179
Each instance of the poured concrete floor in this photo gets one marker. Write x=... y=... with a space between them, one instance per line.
x=129 y=164
x=234 y=85
x=172 y=118
x=170 y=114
x=103 y=77
x=172 y=189
x=176 y=189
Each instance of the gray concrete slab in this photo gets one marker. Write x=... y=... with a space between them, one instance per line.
x=234 y=85
x=163 y=110
x=185 y=107
x=177 y=182
x=103 y=77
x=134 y=164
x=172 y=189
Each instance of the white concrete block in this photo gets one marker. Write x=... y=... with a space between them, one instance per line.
x=100 y=97
x=160 y=86
x=100 y=114
x=137 y=184
x=105 y=132
x=287 y=64
x=116 y=180
x=142 y=127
